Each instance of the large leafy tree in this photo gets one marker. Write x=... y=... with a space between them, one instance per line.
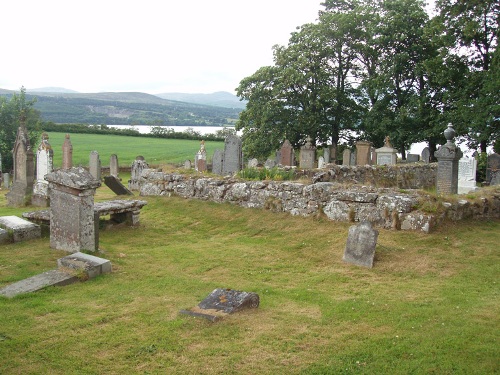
x=11 y=111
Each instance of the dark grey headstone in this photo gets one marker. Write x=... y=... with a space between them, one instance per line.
x=361 y=243
x=217 y=162
x=412 y=158
x=116 y=186
x=233 y=156
x=493 y=169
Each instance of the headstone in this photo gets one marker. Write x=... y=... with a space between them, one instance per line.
x=44 y=165
x=217 y=162
x=233 y=155
x=270 y=164
x=425 y=156
x=253 y=163
x=307 y=155
x=138 y=166
x=116 y=186
x=187 y=164
x=346 y=157
x=363 y=153
x=361 y=243
x=373 y=156
x=493 y=169
x=114 y=169
x=448 y=156
x=222 y=302
x=73 y=223
x=287 y=154
x=6 y=180
x=200 y=159
x=333 y=154
x=386 y=155
x=353 y=158
x=277 y=158
x=466 y=175
x=95 y=165
x=24 y=169
x=326 y=155
x=412 y=158
x=321 y=162
x=67 y=155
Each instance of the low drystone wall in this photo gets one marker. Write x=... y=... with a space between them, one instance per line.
x=384 y=207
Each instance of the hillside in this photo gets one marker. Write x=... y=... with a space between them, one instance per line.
x=219 y=99
x=127 y=108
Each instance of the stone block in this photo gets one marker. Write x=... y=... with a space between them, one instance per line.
x=4 y=236
x=21 y=229
x=91 y=265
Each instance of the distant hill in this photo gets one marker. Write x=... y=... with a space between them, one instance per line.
x=219 y=99
x=52 y=90
x=126 y=108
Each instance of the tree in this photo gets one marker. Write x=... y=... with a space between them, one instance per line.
x=10 y=115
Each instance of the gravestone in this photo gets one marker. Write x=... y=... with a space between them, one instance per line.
x=114 y=168
x=222 y=302
x=363 y=153
x=73 y=224
x=333 y=154
x=116 y=186
x=386 y=155
x=321 y=162
x=493 y=169
x=44 y=165
x=200 y=159
x=187 y=164
x=24 y=169
x=67 y=155
x=412 y=158
x=346 y=157
x=277 y=158
x=361 y=243
x=233 y=156
x=326 y=155
x=353 y=158
x=95 y=165
x=270 y=164
x=287 y=154
x=6 y=180
x=425 y=156
x=217 y=162
x=466 y=175
x=448 y=156
x=307 y=155
x=138 y=166
x=253 y=163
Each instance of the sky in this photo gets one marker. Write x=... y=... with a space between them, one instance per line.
x=152 y=46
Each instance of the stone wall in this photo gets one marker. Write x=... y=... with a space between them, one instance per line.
x=384 y=207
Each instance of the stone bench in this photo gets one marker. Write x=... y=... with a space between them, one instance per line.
x=16 y=229
x=120 y=211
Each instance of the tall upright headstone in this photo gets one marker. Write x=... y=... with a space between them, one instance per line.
x=321 y=162
x=114 y=168
x=363 y=153
x=448 y=156
x=24 y=168
x=425 y=156
x=44 y=165
x=333 y=154
x=200 y=159
x=493 y=169
x=386 y=155
x=67 y=155
x=136 y=169
x=326 y=154
x=287 y=154
x=73 y=223
x=217 y=162
x=466 y=175
x=95 y=165
x=233 y=155
x=307 y=155
x=346 y=157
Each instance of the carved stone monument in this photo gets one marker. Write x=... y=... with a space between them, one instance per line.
x=138 y=166
x=307 y=155
x=67 y=155
x=287 y=154
x=44 y=165
x=386 y=155
x=24 y=169
x=361 y=243
x=448 y=156
x=73 y=223
x=233 y=155
x=363 y=153
x=200 y=159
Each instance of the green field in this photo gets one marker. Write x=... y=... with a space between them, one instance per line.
x=156 y=151
x=430 y=305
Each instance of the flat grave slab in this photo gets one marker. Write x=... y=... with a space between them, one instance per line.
x=21 y=229
x=222 y=302
x=91 y=265
x=37 y=282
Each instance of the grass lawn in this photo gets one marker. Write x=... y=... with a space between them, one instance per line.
x=430 y=305
x=156 y=151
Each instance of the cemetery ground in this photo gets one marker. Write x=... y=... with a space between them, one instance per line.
x=430 y=304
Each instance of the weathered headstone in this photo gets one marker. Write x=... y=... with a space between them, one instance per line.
x=321 y=162
x=138 y=166
x=346 y=157
x=114 y=168
x=466 y=175
x=425 y=156
x=116 y=186
x=270 y=163
x=24 y=169
x=363 y=153
x=448 y=156
x=326 y=155
x=73 y=223
x=6 y=180
x=493 y=169
x=253 y=163
x=44 y=165
x=67 y=153
x=386 y=155
x=307 y=155
x=412 y=158
x=233 y=155
x=287 y=154
x=217 y=162
x=95 y=165
x=353 y=158
x=187 y=164
x=361 y=243
x=200 y=159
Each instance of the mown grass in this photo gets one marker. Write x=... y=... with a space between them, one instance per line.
x=430 y=305
x=156 y=151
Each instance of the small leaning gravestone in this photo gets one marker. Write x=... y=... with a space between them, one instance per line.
x=361 y=243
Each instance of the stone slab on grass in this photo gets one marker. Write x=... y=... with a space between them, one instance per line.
x=21 y=229
x=37 y=282
x=91 y=265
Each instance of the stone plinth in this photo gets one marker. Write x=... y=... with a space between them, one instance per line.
x=363 y=153
x=72 y=218
x=448 y=156
x=386 y=156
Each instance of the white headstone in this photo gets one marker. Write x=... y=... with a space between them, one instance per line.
x=466 y=175
x=321 y=162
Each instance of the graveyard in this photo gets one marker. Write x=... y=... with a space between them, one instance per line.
x=424 y=301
